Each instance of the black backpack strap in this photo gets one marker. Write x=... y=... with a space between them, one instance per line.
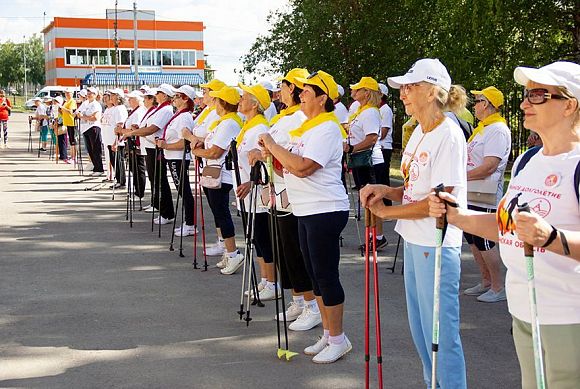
x=526 y=158
x=577 y=182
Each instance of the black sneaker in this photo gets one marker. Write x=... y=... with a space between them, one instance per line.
x=381 y=243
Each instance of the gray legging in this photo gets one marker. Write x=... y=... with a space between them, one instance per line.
x=4 y=128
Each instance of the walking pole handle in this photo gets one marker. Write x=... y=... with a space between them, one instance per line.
x=370 y=218
x=528 y=248
x=440 y=221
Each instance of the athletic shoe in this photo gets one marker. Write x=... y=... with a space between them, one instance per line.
x=381 y=243
x=187 y=230
x=42 y=149
x=161 y=220
x=234 y=263
x=476 y=290
x=67 y=161
x=292 y=312
x=492 y=297
x=216 y=249
x=149 y=209
x=97 y=174
x=223 y=263
x=117 y=186
x=316 y=347
x=333 y=352
x=268 y=293
x=307 y=320
x=260 y=288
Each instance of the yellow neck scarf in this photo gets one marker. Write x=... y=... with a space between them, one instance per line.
x=231 y=115
x=204 y=114
x=494 y=118
x=284 y=112
x=255 y=121
x=311 y=123
x=360 y=110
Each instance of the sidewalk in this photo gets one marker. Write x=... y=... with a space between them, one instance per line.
x=87 y=302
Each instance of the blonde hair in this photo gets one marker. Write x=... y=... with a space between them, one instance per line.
x=374 y=97
x=457 y=100
x=259 y=107
x=565 y=92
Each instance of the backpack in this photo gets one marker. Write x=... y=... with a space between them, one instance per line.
x=533 y=151
x=466 y=127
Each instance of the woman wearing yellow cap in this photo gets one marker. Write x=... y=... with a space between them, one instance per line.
x=364 y=152
x=488 y=150
x=312 y=174
x=303 y=309
x=253 y=103
x=209 y=114
x=213 y=149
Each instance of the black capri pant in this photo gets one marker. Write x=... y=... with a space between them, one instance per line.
x=262 y=242
x=218 y=200
x=187 y=196
x=482 y=244
x=157 y=178
x=71 y=130
x=292 y=267
x=319 y=236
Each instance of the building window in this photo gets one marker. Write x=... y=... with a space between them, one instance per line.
x=71 y=56
x=166 y=57
x=113 y=57
x=125 y=57
x=103 y=57
x=82 y=57
x=192 y=58
x=177 y=61
x=146 y=58
x=93 y=57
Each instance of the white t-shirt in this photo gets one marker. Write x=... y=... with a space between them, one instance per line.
x=250 y=142
x=440 y=159
x=222 y=136
x=200 y=129
x=41 y=110
x=270 y=112
x=279 y=133
x=353 y=107
x=495 y=141
x=341 y=112
x=89 y=109
x=368 y=122
x=322 y=191
x=546 y=183
x=143 y=123
x=135 y=118
x=386 y=121
x=109 y=120
x=174 y=134
x=159 y=118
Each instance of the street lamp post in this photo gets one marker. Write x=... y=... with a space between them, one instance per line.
x=24 y=56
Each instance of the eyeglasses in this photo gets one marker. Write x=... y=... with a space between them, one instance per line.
x=405 y=88
x=179 y=96
x=478 y=101
x=540 y=96
x=312 y=75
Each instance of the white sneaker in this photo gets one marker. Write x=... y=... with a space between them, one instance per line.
x=476 y=290
x=261 y=286
x=187 y=230
x=234 y=263
x=307 y=320
x=216 y=249
x=223 y=263
x=268 y=293
x=316 y=347
x=492 y=297
x=333 y=352
x=292 y=312
x=161 y=220
x=149 y=209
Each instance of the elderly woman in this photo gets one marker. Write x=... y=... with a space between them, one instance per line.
x=364 y=130
x=548 y=182
x=213 y=149
x=312 y=174
x=435 y=153
x=115 y=115
x=253 y=103
x=90 y=113
x=173 y=145
x=488 y=150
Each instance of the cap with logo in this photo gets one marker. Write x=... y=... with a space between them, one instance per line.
x=429 y=70
x=492 y=94
x=214 y=85
x=228 y=94
x=259 y=92
x=560 y=73
x=322 y=80
x=366 y=83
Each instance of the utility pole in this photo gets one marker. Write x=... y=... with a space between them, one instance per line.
x=116 y=49
x=136 y=52
x=24 y=55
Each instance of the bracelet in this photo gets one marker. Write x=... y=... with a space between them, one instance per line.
x=552 y=236
x=565 y=246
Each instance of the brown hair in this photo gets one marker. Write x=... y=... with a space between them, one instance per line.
x=227 y=106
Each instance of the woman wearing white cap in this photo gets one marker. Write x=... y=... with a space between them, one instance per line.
x=113 y=118
x=436 y=153
x=339 y=109
x=174 y=146
x=134 y=118
x=548 y=182
x=213 y=149
x=152 y=127
x=364 y=129
x=271 y=110
x=386 y=137
x=312 y=176
x=90 y=115
x=303 y=309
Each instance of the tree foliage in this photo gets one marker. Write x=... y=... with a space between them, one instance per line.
x=480 y=41
x=12 y=62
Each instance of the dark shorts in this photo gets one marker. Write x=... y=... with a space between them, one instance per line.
x=71 y=135
x=479 y=242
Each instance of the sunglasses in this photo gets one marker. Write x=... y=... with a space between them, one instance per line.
x=179 y=96
x=540 y=96
x=478 y=101
x=312 y=75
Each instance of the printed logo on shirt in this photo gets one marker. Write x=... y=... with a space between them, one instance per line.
x=470 y=148
x=423 y=157
x=552 y=180
x=505 y=213
x=414 y=172
x=541 y=206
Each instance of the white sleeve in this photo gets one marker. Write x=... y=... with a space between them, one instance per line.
x=448 y=162
x=370 y=121
x=161 y=118
x=386 y=117
x=226 y=131
x=321 y=155
x=496 y=143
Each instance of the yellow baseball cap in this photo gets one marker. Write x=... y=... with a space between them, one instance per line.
x=492 y=94
x=322 y=80
x=227 y=94
x=293 y=74
x=214 y=84
x=259 y=92
x=368 y=83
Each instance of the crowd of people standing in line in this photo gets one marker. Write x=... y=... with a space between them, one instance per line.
x=309 y=134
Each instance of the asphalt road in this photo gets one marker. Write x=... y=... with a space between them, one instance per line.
x=87 y=302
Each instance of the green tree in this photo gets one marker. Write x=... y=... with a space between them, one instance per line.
x=35 y=60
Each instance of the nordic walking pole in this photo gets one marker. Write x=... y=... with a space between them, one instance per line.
x=184 y=171
x=536 y=336
x=195 y=204
x=440 y=226
x=29 y=148
x=179 y=194
x=368 y=224
x=356 y=218
x=202 y=219
x=153 y=186
x=116 y=156
x=130 y=189
x=373 y=221
x=161 y=162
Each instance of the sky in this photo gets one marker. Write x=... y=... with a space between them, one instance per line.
x=231 y=25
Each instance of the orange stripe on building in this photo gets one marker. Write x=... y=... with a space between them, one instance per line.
x=127 y=44
x=66 y=82
x=124 y=24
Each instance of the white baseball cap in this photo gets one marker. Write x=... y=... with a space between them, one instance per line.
x=340 y=90
x=135 y=94
x=198 y=93
x=83 y=93
x=269 y=86
x=186 y=90
x=144 y=87
x=383 y=88
x=117 y=91
x=165 y=88
x=429 y=70
x=37 y=99
x=59 y=100
x=561 y=73
x=150 y=92
x=92 y=89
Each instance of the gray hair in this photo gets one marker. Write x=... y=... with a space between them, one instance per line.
x=259 y=107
